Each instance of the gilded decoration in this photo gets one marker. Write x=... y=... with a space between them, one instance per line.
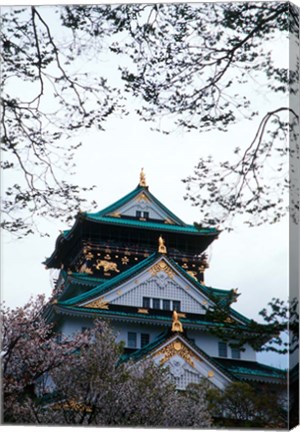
x=192 y=274
x=144 y=311
x=210 y=374
x=162 y=266
x=115 y=214
x=98 y=304
x=177 y=345
x=107 y=266
x=85 y=269
x=142 y=178
x=142 y=197
x=89 y=256
x=125 y=260
x=161 y=245
x=168 y=221
x=229 y=320
x=175 y=348
x=176 y=324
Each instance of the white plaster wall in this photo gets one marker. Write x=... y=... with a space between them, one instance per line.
x=73 y=325
x=154 y=288
x=209 y=344
x=122 y=332
x=154 y=211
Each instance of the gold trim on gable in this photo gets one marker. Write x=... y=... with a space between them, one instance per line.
x=162 y=266
x=176 y=348
x=114 y=214
x=98 y=304
x=141 y=197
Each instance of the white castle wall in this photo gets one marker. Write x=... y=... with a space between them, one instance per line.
x=207 y=343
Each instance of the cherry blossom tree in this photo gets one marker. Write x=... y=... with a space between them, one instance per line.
x=83 y=381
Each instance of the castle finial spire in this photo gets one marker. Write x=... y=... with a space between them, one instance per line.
x=142 y=178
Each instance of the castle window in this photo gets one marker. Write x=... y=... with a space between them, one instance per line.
x=222 y=349
x=176 y=305
x=138 y=214
x=146 y=215
x=145 y=339
x=131 y=340
x=146 y=302
x=156 y=303
x=235 y=353
x=166 y=305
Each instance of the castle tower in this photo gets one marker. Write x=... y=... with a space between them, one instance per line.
x=140 y=266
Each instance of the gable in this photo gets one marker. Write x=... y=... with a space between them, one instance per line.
x=188 y=365
x=140 y=200
x=142 y=207
x=161 y=281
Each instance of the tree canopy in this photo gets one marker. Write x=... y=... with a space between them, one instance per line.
x=80 y=380
x=187 y=66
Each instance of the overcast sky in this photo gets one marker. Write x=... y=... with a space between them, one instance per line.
x=254 y=260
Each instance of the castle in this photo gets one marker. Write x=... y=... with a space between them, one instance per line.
x=136 y=264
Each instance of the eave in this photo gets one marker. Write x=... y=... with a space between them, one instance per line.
x=246 y=370
x=97 y=224
x=131 y=314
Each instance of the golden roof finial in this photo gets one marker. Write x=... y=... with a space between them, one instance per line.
x=161 y=245
x=142 y=178
x=176 y=324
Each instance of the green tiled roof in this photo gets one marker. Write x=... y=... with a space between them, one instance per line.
x=151 y=225
x=84 y=278
x=63 y=307
x=253 y=369
x=120 y=278
x=129 y=197
x=111 y=283
x=136 y=355
x=209 y=291
x=231 y=367
x=162 y=338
